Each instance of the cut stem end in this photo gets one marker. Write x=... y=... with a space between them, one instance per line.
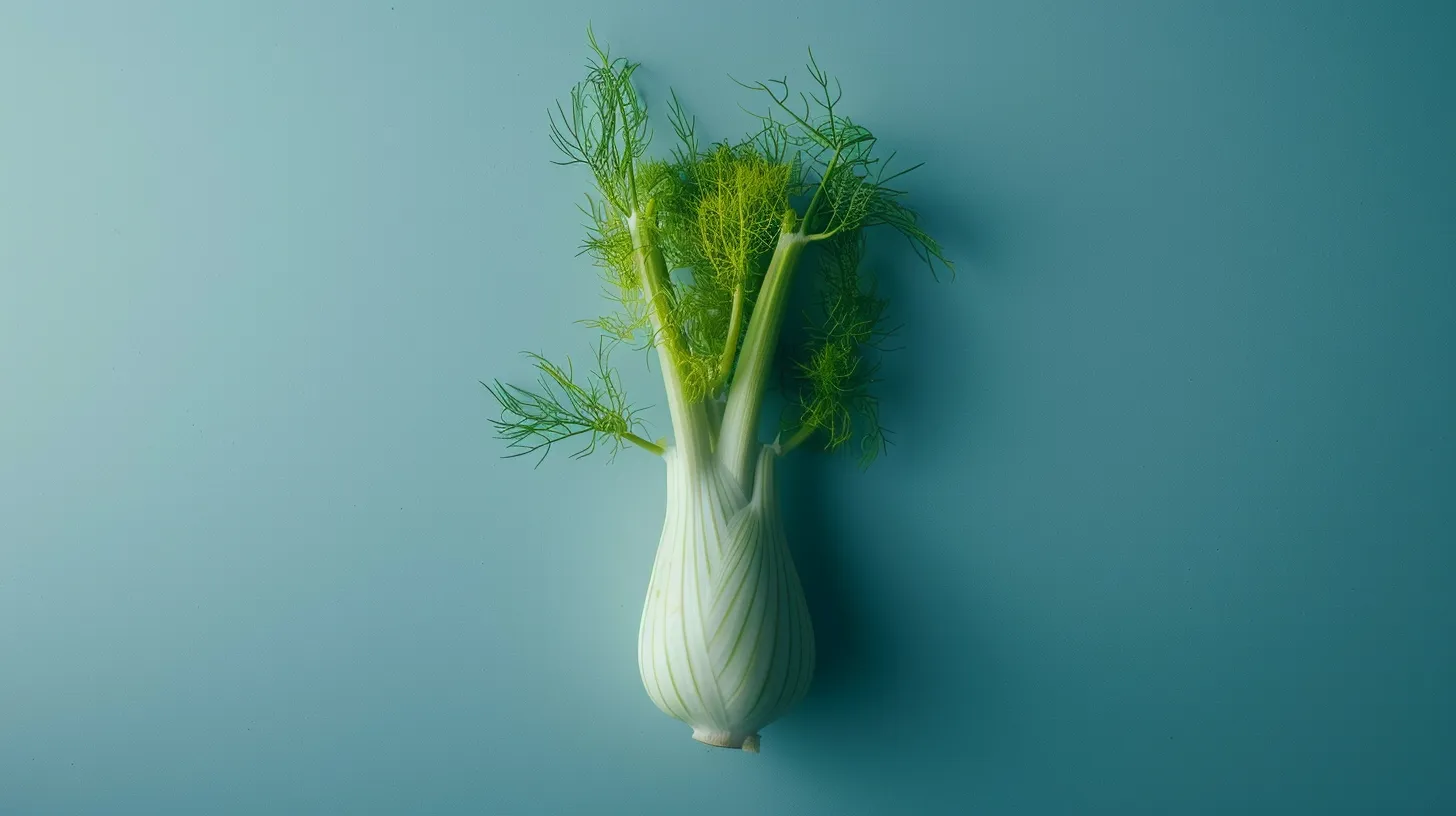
x=727 y=739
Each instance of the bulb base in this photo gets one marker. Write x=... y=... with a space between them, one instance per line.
x=727 y=739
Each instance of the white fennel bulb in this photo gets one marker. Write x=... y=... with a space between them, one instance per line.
x=726 y=644
x=700 y=251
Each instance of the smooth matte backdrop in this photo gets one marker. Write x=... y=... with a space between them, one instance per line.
x=1168 y=526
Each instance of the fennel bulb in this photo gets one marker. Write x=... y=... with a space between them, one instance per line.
x=725 y=643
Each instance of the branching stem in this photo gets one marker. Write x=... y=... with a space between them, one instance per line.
x=813 y=209
x=689 y=419
x=650 y=447
x=800 y=437
x=738 y=439
x=735 y=325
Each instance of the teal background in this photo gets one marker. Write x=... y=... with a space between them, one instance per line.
x=1168 y=527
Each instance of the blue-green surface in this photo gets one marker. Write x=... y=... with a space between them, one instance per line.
x=1168 y=528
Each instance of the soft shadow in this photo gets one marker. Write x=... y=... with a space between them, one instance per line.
x=900 y=668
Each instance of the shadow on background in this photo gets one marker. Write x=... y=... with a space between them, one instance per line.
x=901 y=670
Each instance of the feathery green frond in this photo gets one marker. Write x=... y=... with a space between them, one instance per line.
x=609 y=243
x=836 y=373
x=886 y=209
x=686 y=128
x=743 y=197
x=698 y=251
x=561 y=409
x=605 y=128
x=851 y=184
x=718 y=217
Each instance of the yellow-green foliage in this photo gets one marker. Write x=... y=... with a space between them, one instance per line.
x=710 y=218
